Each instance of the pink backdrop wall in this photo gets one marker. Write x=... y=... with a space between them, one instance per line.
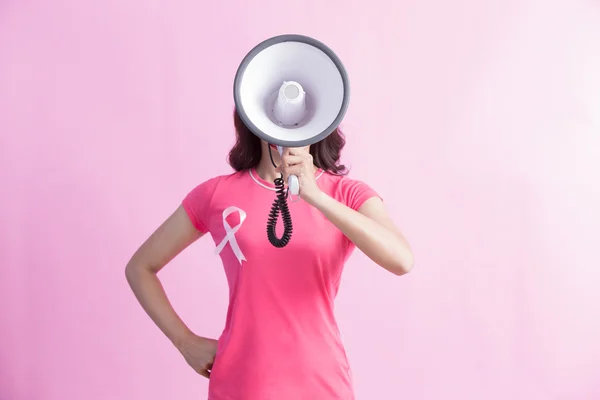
x=478 y=121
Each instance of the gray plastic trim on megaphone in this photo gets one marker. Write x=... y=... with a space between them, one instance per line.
x=290 y=38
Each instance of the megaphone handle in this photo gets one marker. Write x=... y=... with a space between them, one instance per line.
x=293 y=185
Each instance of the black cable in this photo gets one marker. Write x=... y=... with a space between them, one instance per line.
x=280 y=206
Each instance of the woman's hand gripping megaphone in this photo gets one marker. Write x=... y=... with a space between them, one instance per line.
x=299 y=171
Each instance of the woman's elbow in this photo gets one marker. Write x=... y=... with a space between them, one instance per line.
x=133 y=270
x=402 y=266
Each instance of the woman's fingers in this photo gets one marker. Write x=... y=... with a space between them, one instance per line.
x=301 y=151
x=293 y=170
x=293 y=162
x=289 y=160
x=204 y=373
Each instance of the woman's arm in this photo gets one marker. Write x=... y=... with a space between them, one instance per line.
x=172 y=237
x=371 y=230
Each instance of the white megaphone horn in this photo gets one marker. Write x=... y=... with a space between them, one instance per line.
x=291 y=91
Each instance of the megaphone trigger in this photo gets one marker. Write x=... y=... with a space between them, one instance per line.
x=294 y=187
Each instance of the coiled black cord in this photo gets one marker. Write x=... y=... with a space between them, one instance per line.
x=280 y=206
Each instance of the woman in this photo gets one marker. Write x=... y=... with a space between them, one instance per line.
x=280 y=340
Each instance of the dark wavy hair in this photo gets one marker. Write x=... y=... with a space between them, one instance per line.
x=246 y=152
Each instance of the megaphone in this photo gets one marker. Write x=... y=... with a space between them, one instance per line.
x=290 y=91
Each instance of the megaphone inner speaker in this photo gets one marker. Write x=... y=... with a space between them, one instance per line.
x=291 y=90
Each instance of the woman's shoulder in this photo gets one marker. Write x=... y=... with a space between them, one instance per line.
x=220 y=179
x=350 y=191
x=338 y=181
x=207 y=187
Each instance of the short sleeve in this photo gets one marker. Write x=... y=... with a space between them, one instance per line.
x=197 y=204
x=356 y=192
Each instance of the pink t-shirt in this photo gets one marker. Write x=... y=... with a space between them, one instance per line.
x=281 y=339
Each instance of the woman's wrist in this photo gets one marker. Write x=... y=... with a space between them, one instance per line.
x=318 y=199
x=181 y=337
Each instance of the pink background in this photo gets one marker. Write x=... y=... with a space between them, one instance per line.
x=478 y=121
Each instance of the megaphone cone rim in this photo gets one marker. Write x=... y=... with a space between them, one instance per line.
x=291 y=38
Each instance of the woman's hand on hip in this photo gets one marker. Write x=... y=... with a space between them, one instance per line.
x=199 y=352
x=299 y=162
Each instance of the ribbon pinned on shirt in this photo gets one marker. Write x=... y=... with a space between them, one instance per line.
x=230 y=233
